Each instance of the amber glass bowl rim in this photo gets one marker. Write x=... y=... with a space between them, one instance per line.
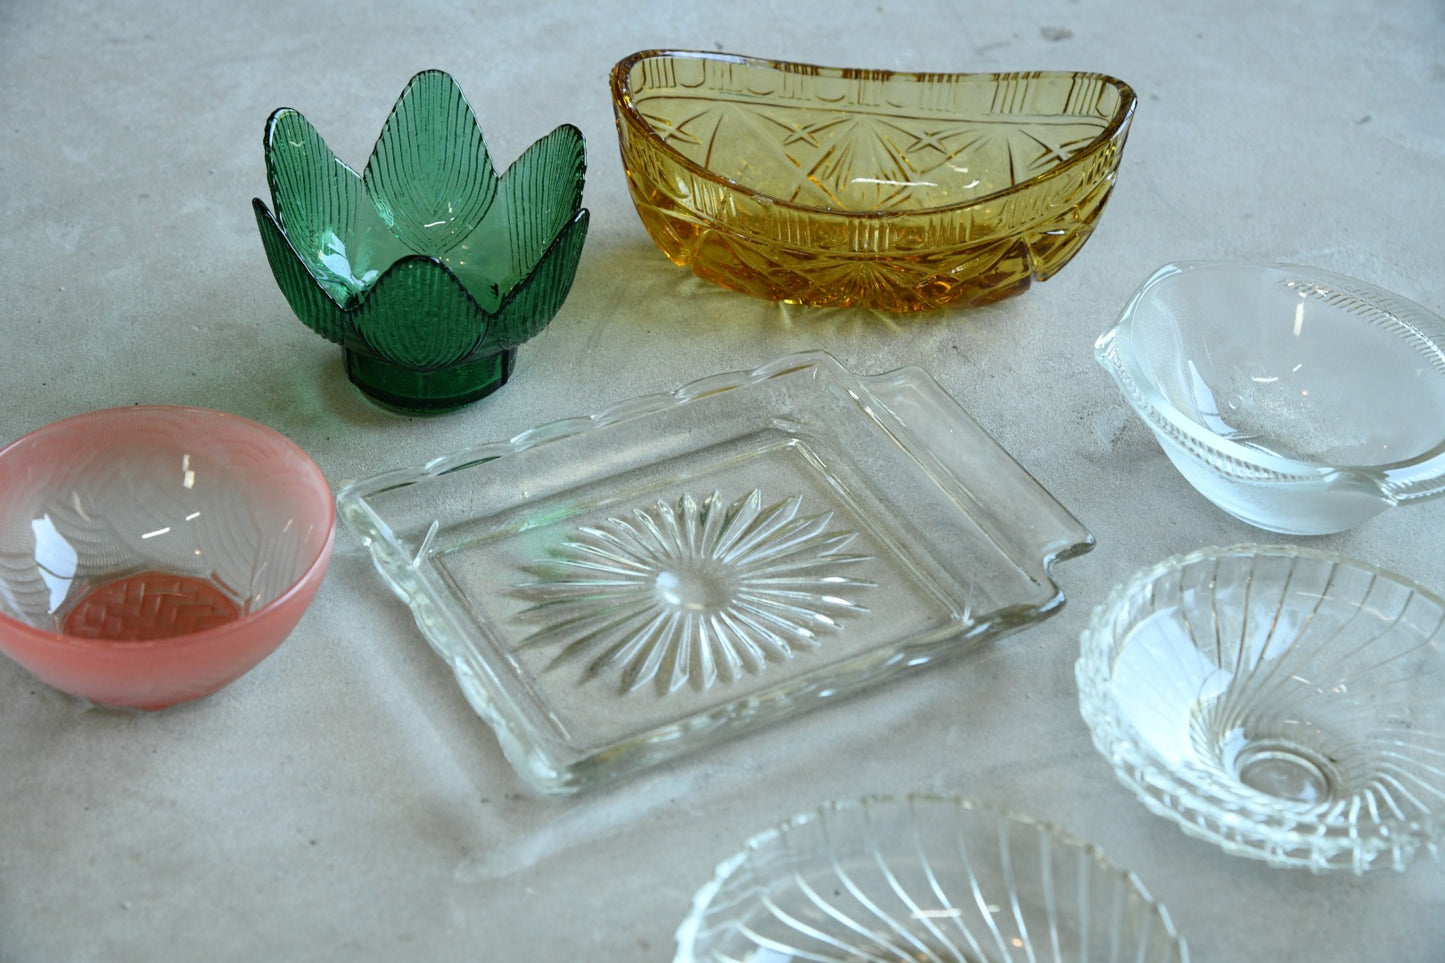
x=628 y=113
x=301 y=583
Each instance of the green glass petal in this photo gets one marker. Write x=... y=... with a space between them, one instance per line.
x=429 y=175
x=536 y=198
x=324 y=210
x=313 y=305
x=419 y=316
x=542 y=192
x=538 y=299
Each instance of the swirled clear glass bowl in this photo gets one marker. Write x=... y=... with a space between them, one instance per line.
x=1286 y=704
x=922 y=878
x=1297 y=400
x=153 y=554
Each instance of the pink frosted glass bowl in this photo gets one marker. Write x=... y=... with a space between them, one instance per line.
x=152 y=555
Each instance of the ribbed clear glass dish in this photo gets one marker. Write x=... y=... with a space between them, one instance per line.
x=614 y=590
x=930 y=879
x=1286 y=704
x=840 y=187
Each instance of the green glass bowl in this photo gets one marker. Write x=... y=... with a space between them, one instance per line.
x=428 y=268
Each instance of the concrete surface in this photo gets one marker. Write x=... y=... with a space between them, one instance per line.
x=342 y=802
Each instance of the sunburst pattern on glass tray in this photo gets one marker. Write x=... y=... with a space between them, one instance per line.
x=694 y=592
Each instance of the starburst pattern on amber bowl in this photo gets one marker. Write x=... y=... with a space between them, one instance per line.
x=841 y=187
x=692 y=593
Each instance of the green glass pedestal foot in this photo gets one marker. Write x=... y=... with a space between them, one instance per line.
x=445 y=389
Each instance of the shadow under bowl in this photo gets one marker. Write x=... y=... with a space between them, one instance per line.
x=922 y=878
x=151 y=555
x=868 y=188
x=1297 y=400
x=1285 y=704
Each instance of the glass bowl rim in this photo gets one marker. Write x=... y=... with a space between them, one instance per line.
x=1143 y=770
x=431 y=262
x=688 y=931
x=628 y=113
x=301 y=583
x=1114 y=349
x=280 y=189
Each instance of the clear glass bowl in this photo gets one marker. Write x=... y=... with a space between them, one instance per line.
x=428 y=268
x=1286 y=704
x=1297 y=400
x=151 y=555
x=922 y=878
x=895 y=191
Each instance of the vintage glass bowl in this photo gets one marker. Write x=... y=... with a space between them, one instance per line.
x=617 y=589
x=1297 y=400
x=1286 y=704
x=427 y=268
x=151 y=555
x=922 y=878
x=895 y=191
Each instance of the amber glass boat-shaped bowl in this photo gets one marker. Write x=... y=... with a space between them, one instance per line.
x=840 y=187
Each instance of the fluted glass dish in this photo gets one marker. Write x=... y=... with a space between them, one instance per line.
x=614 y=590
x=934 y=879
x=428 y=268
x=839 y=187
x=1285 y=704
x=1300 y=401
x=151 y=555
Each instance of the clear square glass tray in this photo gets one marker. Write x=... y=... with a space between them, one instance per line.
x=614 y=590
